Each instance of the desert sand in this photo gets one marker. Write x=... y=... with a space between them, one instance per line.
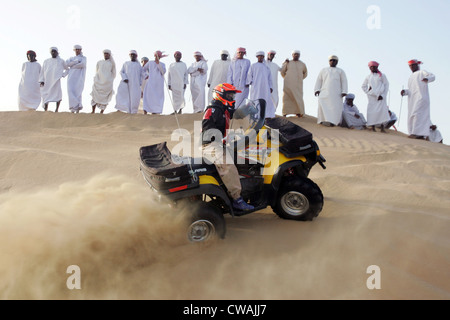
x=71 y=193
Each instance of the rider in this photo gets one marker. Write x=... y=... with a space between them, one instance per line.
x=217 y=117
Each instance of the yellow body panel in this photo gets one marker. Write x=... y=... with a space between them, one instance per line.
x=208 y=180
x=272 y=161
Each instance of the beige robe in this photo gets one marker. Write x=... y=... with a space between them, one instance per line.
x=293 y=73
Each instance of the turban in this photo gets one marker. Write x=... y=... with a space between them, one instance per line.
x=333 y=58
x=350 y=96
x=77 y=46
x=107 y=51
x=198 y=53
x=237 y=51
x=414 y=61
x=54 y=48
x=375 y=64
x=295 y=51
x=133 y=52
x=272 y=52
x=160 y=54
x=260 y=53
x=225 y=52
x=177 y=52
x=31 y=52
x=145 y=59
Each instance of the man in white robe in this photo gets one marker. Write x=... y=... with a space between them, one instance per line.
x=259 y=79
x=435 y=135
x=392 y=120
x=331 y=86
x=128 y=94
x=154 y=89
x=76 y=78
x=144 y=61
x=199 y=76
x=102 y=89
x=275 y=71
x=351 y=117
x=29 y=89
x=218 y=73
x=419 y=120
x=177 y=80
x=294 y=72
x=376 y=86
x=237 y=75
x=53 y=69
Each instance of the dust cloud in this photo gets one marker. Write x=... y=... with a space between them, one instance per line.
x=128 y=245
x=108 y=226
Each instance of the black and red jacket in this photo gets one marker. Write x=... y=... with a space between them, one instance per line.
x=217 y=116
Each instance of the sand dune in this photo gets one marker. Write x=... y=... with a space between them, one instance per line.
x=71 y=194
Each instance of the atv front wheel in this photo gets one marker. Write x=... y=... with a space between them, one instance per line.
x=299 y=199
x=207 y=223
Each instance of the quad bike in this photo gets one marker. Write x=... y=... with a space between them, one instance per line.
x=281 y=183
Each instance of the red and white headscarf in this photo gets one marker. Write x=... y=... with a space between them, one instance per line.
x=239 y=50
x=414 y=61
x=198 y=53
x=375 y=64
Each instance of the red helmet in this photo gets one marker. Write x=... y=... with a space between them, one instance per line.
x=225 y=93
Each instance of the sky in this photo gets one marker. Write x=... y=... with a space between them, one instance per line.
x=357 y=31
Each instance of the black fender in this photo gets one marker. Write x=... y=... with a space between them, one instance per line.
x=209 y=189
x=274 y=187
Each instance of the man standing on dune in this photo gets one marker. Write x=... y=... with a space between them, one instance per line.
x=52 y=71
x=237 y=75
x=177 y=81
x=29 y=90
x=199 y=73
x=419 y=118
x=293 y=72
x=260 y=80
x=218 y=73
x=376 y=86
x=102 y=90
x=154 y=89
x=128 y=95
x=275 y=70
x=76 y=78
x=331 y=87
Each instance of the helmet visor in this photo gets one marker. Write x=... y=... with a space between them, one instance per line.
x=229 y=96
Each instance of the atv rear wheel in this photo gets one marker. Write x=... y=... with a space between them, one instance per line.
x=299 y=199
x=207 y=223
